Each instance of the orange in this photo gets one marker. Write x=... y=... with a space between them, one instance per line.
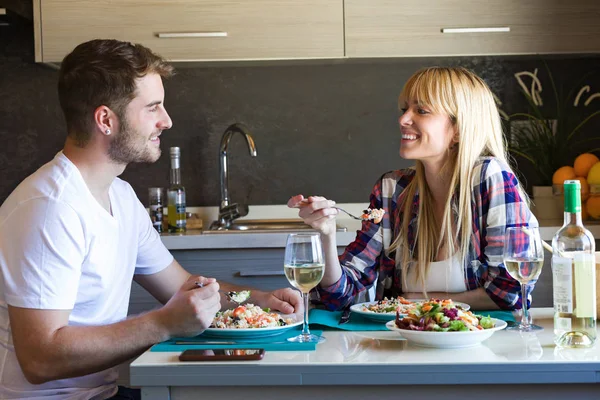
x=562 y=174
x=584 y=213
x=583 y=163
x=585 y=188
x=592 y=206
x=593 y=176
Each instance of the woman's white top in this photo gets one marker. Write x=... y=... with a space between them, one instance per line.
x=444 y=276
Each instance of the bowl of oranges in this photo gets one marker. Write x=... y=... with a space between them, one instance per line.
x=585 y=169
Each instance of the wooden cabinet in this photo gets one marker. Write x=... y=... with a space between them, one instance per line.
x=398 y=28
x=189 y=30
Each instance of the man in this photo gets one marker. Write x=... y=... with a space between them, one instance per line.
x=73 y=236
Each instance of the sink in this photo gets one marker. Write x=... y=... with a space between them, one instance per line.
x=267 y=225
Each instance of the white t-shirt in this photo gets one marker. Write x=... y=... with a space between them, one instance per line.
x=444 y=276
x=59 y=249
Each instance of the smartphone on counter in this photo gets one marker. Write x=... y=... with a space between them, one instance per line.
x=222 y=355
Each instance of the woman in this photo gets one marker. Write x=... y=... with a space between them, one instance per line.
x=443 y=230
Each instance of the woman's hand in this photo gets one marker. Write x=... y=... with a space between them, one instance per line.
x=316 y=211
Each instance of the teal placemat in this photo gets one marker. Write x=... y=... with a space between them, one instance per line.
x=498 y=314
x=329 y=320
x=272 y=343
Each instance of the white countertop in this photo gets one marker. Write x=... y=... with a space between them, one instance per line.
x=196 y=239
x=385 y=358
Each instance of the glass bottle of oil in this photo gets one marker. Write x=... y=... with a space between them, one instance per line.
x=176 y=195
x=574 y=276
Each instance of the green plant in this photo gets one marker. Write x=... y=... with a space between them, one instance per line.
x=549 y=139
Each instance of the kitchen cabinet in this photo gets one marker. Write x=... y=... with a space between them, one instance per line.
x=399 y=28
x=258 y=268
x=190 y=30
x=255 y=268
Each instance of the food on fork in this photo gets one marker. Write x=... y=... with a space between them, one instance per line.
x=375 y=214
x=249 y=316
x=239 y=297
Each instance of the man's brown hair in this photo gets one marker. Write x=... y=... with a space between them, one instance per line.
x=102 y=72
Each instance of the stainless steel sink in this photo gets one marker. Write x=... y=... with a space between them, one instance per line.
x=267 y=225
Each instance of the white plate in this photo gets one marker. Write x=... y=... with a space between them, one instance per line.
x=447 y=340
x=249 y=333
x=384 y=317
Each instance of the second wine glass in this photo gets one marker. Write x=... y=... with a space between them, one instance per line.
x=523 y=259
x=304 y=266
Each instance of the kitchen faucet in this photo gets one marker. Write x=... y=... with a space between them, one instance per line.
x=229 y=212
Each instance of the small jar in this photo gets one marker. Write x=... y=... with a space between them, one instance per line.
x=155 y=203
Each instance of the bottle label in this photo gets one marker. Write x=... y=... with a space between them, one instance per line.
x=562 y=324
x=562 y=284
x=585 y=285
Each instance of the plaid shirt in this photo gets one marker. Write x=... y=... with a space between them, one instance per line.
x=495 y=204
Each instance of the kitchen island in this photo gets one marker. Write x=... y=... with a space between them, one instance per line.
x=363 y=365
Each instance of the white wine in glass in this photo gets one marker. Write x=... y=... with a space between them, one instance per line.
x=304 y=266
x=523 y=259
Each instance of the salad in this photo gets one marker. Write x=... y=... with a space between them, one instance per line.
x=442 y=316
x=249 y=316
x=390 y=306
x=374 y=214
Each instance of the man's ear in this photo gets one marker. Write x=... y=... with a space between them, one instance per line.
x=105 y=120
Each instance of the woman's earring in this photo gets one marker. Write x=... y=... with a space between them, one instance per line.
x=107 y=131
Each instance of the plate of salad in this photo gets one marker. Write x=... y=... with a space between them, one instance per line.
x=249 y=321
x=433 y=324
x=385 y=310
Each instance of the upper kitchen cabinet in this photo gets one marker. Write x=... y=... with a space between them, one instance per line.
x=397 y=28
x=195 y=30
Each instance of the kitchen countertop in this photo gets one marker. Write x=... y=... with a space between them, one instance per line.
x=348 y=365
x=197 y=239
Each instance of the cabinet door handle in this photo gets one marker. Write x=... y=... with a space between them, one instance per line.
x=477 y=30
x=163 y=35
x=261 y=273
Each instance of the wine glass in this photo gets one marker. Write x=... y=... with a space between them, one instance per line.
x=304 y=267
x=523 y=258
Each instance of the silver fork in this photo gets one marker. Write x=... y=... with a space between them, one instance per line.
x=230 y=295
x=350 y=214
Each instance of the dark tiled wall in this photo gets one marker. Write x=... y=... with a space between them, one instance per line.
x=328 y=128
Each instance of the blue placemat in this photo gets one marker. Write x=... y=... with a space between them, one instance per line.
x=498 y=314
x=329 y=320
x=272 y=343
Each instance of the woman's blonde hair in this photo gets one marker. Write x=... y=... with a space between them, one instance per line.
x=470 y=105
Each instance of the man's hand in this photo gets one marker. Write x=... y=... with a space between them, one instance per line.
x=192 y=309
x=286 y=301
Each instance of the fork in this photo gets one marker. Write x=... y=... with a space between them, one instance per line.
x=350 y=214
x=230 y=295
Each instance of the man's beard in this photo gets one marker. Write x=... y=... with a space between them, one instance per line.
x=128 y=145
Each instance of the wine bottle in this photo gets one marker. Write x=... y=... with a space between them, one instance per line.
x=574 y=276
x=176 y=195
